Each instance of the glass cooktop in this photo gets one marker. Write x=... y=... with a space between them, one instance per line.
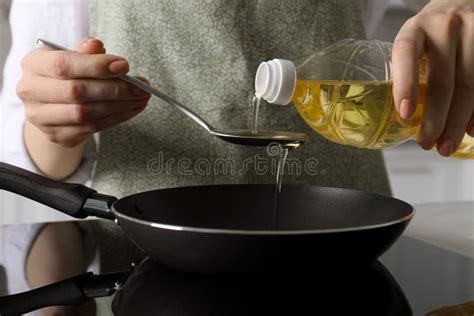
x=431 y=277
x=412 y=278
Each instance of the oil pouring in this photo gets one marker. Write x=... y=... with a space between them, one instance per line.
x=344 y=93
x=280 y=150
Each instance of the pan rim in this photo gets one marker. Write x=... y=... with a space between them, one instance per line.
x=261 y=232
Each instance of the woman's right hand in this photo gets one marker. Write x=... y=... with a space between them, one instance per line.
x=70 y=95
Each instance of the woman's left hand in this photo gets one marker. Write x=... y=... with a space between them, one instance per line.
x=444 y=32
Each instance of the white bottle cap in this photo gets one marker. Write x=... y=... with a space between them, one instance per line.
x=275 y=81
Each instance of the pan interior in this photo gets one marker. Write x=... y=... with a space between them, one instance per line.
x=252 y=207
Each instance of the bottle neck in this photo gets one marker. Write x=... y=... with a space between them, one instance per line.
x=275 y=81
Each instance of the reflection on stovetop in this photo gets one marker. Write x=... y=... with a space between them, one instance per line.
x=154 y=289
x=412 y=278
x=429 y=276
x=415 y=278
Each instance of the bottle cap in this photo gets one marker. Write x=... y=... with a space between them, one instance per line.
x=275 y=81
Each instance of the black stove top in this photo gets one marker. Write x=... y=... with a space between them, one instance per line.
x=154 y=289
x=412 y=278
x=431 y=277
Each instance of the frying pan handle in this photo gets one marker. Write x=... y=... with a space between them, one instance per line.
x=74 y=291
x=66 y=292
x=68 y=198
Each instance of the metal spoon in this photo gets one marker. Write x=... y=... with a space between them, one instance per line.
x=242 y=137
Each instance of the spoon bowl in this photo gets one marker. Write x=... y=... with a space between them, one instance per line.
x=262 y=138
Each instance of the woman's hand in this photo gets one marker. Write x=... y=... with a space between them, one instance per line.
x=444 y=32
x=69 y=95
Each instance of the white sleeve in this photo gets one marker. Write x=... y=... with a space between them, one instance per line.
x=61 y=21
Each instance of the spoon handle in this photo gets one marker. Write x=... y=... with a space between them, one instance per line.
x=144 y=86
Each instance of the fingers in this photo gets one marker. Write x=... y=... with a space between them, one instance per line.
x=79 y=114
x=448 y=111
x=457 y=121
x=117 y=118
x=49 y=90
x=71 y=65
x=70 y=135
x=441 y=43
x=462 y=104
x=470 y=126
x=407 y=51
x=69 y=95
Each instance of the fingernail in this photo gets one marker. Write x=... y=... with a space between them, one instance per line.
x=119 y=67
x=446 y=148
x=427 y=144
x=406 y=108
x=89 y=40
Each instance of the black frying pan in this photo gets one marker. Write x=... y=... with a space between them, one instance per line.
x=231 y=229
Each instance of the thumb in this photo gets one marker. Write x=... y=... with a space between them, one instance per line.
x=90 y=45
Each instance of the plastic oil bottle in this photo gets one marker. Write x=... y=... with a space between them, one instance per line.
x=344 y=93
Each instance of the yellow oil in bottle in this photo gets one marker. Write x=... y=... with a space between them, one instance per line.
x=361 y=114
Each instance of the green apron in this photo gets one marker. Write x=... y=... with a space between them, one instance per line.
x=205 y=55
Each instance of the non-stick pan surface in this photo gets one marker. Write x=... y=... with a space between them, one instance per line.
x=235 y=229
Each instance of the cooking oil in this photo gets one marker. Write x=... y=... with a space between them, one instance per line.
x=255 y=107
x=361 y=114
x=281 y=151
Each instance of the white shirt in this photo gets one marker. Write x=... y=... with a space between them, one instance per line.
x=61 y=21
x=65 y=22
